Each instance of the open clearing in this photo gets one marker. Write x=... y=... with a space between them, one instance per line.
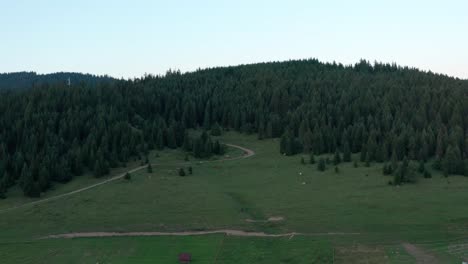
x=247 y=153
x=221 y=195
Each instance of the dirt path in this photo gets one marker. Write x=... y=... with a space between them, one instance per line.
x=270 y=219
x=247 y=153
x=421 y=256
x=229 y=232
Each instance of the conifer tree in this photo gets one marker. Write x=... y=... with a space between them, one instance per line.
x=336 y=158
x=346 y=152
x=216 y=130
x=321 y=164
x=312 y=158
x=181 y=172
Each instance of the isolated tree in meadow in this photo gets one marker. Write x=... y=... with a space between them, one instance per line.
x=208 y=148
x=321 y=164
x=403 y=174
x=127 y=176
x=216 y=148
x=337 y=158
x=285 y=147
x=386 y=169
x=427 y=174
x=190 y=170
x=149 y=168
x=367 y=160
x=421 y=167
x=398 y=175
x=181 y=172
x=312 y=158
x=222 y=149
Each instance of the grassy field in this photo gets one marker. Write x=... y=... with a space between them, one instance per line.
x=432 y=214
x=204 y=249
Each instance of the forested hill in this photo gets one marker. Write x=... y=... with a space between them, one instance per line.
x=27 y=80
x=384 y=111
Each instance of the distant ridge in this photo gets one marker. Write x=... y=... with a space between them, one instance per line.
x=27 y=80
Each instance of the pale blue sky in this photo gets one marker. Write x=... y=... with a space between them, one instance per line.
x=130 y=38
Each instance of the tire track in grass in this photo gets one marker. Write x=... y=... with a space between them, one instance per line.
x=219 y=250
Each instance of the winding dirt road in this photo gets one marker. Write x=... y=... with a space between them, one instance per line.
x=247 y=153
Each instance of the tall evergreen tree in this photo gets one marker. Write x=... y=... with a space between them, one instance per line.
x=346 y=152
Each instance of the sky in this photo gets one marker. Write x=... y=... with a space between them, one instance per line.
x=130 y=38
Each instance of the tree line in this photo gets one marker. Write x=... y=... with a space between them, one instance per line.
x=54 y=132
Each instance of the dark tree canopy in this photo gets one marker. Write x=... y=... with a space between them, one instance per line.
x=386 y=111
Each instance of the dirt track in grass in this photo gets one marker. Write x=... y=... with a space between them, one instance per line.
x=229 y=232
x=247 y=153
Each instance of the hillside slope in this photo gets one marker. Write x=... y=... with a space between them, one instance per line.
x=385 y=112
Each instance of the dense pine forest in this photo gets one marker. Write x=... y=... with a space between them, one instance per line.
x=53 y=132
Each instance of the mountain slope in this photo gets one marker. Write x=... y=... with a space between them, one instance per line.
x=385 y=112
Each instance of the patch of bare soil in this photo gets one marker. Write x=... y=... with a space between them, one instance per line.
x=421 y=256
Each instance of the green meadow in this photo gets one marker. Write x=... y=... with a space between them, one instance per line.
x=349 y=216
